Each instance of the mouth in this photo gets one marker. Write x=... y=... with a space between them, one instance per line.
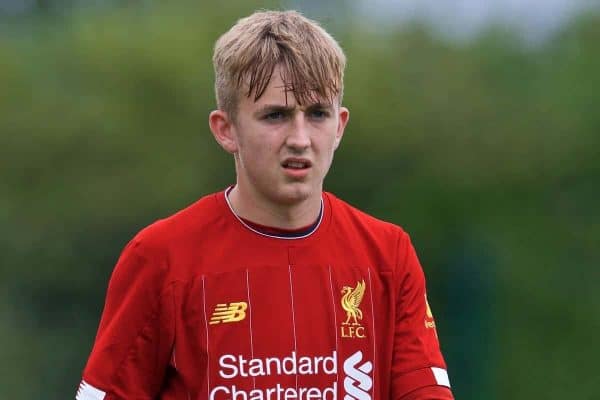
x=296 y=164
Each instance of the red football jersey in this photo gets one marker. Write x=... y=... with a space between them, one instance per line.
x=202 y=306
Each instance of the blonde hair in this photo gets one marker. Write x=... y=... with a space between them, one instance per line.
x=312 y=62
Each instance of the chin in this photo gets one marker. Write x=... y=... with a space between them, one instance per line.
x=294 y=195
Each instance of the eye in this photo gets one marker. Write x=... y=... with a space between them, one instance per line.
x=274 y=116
x=318 y=114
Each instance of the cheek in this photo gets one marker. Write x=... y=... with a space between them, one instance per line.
x=326 y=144
x=256 y=156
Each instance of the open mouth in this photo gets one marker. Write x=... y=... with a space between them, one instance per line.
x=296 y=164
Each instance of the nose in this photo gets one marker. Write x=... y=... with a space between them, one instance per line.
x=298 y=137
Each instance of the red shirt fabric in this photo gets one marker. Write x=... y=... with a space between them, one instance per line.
x=202 y=306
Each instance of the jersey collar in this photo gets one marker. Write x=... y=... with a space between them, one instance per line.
x=275 y=232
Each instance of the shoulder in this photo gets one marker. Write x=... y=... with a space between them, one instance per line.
x=186 y=224
x=347 y=216
x=149 y=258
x=360 y=227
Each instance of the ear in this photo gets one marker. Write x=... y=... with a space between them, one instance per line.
x=222 y=129
x=344 y=116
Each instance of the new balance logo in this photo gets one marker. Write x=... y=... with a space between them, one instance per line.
x=358 y=382
x=233 y=312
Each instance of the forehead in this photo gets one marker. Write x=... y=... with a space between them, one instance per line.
x=280 y=91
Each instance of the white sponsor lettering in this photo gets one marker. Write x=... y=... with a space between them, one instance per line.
x=224 y=365
x=233 y=366
x=274 y=393
x=358 y=382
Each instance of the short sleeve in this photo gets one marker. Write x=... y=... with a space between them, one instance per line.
x=135 y=336
x=417 y=360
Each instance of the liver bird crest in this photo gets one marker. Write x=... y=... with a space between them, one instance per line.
x=351 y=301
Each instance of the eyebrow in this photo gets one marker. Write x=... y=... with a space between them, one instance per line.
x=270 y=108
x=319 y=105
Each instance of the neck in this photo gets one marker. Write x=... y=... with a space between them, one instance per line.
x=268 y=213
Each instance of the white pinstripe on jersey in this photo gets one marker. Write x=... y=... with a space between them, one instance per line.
x=293 y=317
x=374 y=331
x=250 y=320
x=335 y=328
x=207 y=351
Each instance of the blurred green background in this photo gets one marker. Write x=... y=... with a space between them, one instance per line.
x=486 y=150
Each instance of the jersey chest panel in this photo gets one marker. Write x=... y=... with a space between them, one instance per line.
x=283 y=332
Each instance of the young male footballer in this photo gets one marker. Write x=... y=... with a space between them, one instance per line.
x=271 y=289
